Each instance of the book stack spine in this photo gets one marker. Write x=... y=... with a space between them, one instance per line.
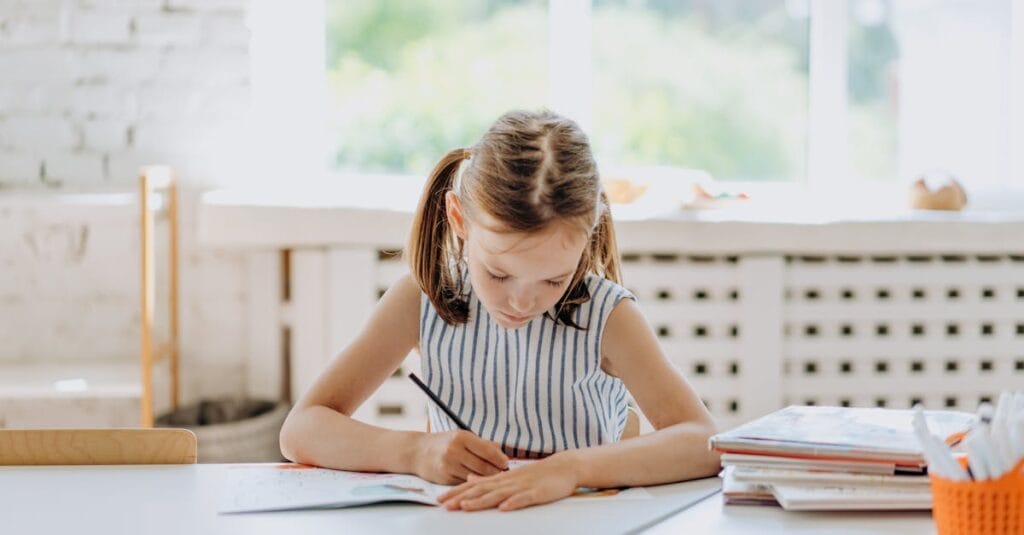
x=810 y=485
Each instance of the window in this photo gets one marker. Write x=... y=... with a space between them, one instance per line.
x=719 y=86
x=409 y=81
x=928 y=89
x=813 y=92
x=872 y=82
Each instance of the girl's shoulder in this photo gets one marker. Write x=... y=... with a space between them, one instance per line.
x=405 y=292
x=597 y=284
x=605 y=296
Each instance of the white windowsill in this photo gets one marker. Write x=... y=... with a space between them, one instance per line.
x=378 y=213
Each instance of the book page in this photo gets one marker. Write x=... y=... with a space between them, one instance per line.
x=282 y=487
x=859 y=429
x=769 y=476
x=836 y=498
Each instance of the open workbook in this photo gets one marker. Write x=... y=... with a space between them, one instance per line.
x=282 y=487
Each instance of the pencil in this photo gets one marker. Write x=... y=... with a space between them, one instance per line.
x=438 y=402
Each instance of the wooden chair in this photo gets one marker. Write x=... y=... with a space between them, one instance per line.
x=97 y=446
x=154 y=180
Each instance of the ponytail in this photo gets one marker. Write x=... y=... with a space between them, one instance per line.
x=433 y=250
x=604 y=250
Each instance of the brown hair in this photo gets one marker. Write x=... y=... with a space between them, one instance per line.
x=529 y=170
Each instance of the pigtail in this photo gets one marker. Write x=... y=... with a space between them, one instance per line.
x=434 y=250
x=604 y=249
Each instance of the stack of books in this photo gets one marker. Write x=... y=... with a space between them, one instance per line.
x=832 y=458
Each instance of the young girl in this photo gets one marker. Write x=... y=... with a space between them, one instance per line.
x=515 y=307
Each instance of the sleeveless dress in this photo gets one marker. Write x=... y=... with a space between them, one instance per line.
x=536 y=389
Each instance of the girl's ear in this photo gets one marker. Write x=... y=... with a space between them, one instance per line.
x=453 y=208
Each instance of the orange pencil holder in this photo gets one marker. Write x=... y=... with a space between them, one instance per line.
x=990 y=507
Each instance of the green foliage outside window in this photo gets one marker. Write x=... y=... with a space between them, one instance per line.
x=717 y=85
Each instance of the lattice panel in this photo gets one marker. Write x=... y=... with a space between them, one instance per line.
x=397 y=404
x=693 y=304
x=891 y=331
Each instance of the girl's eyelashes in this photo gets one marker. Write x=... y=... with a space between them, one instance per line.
x=503 y=278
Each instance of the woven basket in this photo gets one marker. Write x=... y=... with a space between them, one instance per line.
x=230 y=431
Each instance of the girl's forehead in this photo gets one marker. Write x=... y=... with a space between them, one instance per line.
x=557 y=238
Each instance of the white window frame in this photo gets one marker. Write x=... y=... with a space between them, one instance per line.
x=1017 y=96
x=570 y=61
x=828 y=147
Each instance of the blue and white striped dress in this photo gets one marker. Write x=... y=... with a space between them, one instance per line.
x=536 y=389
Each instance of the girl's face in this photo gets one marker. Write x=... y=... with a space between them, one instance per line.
x=517 y=276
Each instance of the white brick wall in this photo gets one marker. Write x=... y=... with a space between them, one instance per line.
x=80 y=76
x=32 y=132
x=89 y=91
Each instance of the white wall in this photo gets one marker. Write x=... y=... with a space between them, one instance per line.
x=89 y=91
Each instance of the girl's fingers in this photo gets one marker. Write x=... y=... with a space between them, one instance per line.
x=455 y=500
x=477 y=466
x=455 y=491
x=485 y=501
x=488 y=451
x=457 y=497
x=518 y=501
x=448 y=495
x=459 y=473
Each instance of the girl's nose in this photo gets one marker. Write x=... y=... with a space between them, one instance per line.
x=520 y=301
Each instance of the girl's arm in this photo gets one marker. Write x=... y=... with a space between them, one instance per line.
x=678 y=450
x=320 y=430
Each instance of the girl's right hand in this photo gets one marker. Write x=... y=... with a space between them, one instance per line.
x=450 y=457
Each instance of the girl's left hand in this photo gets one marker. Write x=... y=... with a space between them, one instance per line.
x=533 y=484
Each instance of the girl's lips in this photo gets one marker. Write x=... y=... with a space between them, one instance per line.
x=515 y=319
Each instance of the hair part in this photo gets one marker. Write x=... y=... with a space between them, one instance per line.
x=528 y=171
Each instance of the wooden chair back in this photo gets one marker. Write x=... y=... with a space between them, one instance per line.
x=97 y=446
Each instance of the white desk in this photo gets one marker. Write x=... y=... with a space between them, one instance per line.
x=710 y=516
x=184 y=499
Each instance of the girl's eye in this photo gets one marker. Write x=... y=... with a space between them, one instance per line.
x=497 y=278
x=555 y=283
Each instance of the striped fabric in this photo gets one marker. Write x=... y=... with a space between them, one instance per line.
x=536 y=389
